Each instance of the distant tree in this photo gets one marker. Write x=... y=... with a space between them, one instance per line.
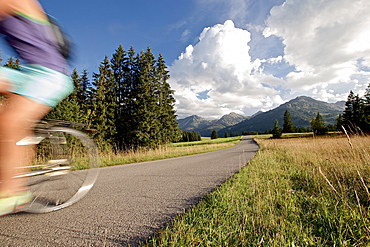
x=301 y=129
x=214 y=134
x=288 y=126
x=339 y=122
x=276 y=131
x=366 y=111
x=226 y=135
x=318 y=125
x=355 y=116
x=187 y=136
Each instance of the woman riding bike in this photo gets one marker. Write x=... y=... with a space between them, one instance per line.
x=30 y=92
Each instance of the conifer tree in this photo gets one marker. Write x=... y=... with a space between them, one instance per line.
x=84 y=97
x=339 y=122
x=82 y=91
x=348 y=116
x=146 y=110
x=214 y=134
x=190 y=136
x=166 y=103
x=128 y=121
x=366 y=111
x=353 y=116
x=318 y=125
x=103 y=105
x=288 y=126
x=276 y=131
x=118 y=63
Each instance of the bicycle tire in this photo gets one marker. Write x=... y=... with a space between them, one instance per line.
x=61 y=183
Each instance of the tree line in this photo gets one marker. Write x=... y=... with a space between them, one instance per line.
x=128 y=104
x=355 y=118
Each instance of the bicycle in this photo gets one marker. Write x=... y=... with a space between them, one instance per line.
x=65 y=166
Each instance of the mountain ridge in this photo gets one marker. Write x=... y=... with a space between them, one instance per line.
x=301 y=109
x=205 y=127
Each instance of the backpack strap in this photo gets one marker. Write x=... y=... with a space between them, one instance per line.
x=63 y=40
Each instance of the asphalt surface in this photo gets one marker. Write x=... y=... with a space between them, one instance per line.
x=129 y=203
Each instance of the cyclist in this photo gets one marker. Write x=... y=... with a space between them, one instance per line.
x=30 y=92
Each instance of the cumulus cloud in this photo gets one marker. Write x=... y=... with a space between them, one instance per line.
x=219 y=65
x=324 y=40
x=321 y=49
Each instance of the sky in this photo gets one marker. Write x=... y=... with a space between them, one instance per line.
x=227 y=56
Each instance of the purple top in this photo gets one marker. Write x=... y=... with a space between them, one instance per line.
x=33 y=41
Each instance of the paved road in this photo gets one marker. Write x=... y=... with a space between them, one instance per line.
x=129 y=203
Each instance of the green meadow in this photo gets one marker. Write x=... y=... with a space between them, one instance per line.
x=306 y=191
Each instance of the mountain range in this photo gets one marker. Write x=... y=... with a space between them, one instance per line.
x=205 y=127
x=301 y=110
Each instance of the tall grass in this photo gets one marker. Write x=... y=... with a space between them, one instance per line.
x=294 y=192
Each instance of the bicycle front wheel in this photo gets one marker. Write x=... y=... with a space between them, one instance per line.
x=64 y=170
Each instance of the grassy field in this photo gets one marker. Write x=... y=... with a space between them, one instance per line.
x=311 y=191
x=169 y=151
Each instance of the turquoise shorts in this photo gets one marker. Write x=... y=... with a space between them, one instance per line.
x=38 y=83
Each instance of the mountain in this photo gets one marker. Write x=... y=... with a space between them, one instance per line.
x=193 y=123
x=205 y=127
x=301 y=110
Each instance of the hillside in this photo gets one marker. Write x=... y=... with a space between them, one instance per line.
x=205 y=127
x=301 y=109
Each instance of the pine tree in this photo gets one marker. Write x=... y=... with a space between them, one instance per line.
x=353 y=116
x=122 y=113
x=103 y=105
x=318 y=125
x=146 y=108
x=276 y=131
x=166 y=102
x=288 y=126
x=128 y=121
x=366 y=110
x=339 y=122
x=190 y=136
x=348 y=116
x=84 y=97
x=214 y=134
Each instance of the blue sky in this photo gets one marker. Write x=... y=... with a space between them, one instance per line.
x=232 y=55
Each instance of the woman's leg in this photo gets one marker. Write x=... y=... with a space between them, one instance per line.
x=16 y=120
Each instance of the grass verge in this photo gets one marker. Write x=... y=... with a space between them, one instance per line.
x=169 y=151
x=294 y=192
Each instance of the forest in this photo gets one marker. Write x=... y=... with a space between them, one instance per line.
x=127 y=104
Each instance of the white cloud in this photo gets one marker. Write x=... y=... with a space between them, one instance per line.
x=324 y=41
x=220 y=64
x=322 y=50
x=185 y=35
